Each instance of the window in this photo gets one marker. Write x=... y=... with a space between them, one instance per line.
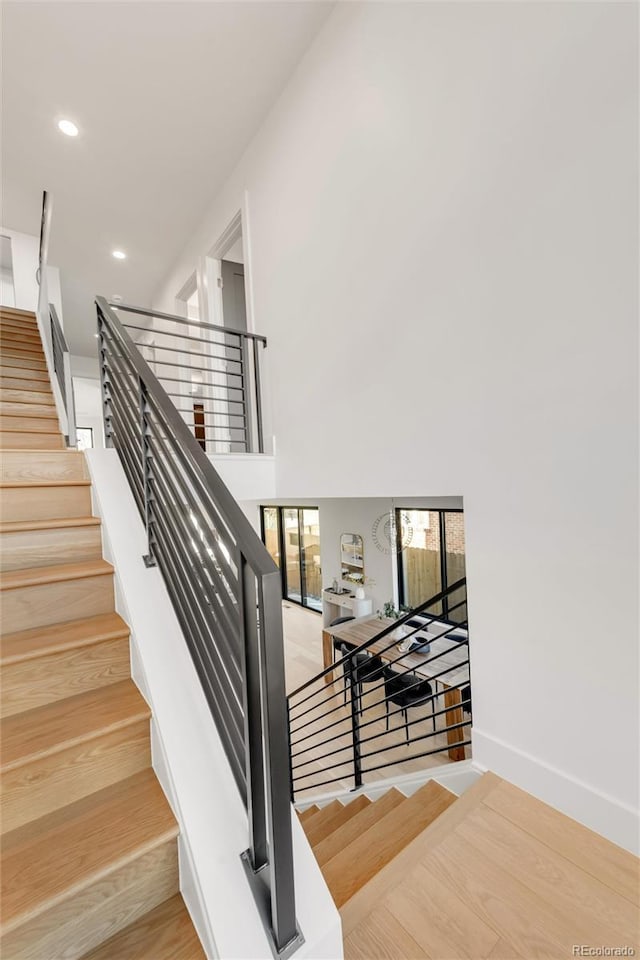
x=292 y=537
x=431 y=558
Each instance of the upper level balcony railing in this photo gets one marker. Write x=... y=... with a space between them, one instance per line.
x=211 y=373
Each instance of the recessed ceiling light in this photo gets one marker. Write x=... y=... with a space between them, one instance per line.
x=68 y=127
x=119 y=255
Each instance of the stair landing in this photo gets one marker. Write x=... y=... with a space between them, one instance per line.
x=498 y=874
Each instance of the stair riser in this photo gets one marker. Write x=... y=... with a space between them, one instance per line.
x=15 y=408
x=18 y=465
x=46 y=784
x=10 y=357
x=90 y=916
x=24 y=345
x=29 y=389
x=20 y=318
x=25 y=608
x=30 y=424
x=25 y=376
x=45 y=503
x=33 y=683
x=23 y=549
x=31 y=441
x=19 y=328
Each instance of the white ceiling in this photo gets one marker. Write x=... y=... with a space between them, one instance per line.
x=166 y=95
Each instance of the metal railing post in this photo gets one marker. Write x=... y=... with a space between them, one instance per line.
x=355 y=730
x=256 y=377
x=254 y=760
x=147 y=482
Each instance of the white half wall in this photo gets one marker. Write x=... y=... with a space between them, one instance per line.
x=442 y=216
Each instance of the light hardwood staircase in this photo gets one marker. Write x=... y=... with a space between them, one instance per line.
x=89 y=855
x=494 y=873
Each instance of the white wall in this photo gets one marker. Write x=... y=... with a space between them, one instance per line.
x=443 y=238
x=87 y=367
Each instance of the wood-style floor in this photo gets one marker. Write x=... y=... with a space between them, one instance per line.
x=498 y=875
x=325 y=774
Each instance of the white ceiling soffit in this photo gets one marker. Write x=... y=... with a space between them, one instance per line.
x=166 y=95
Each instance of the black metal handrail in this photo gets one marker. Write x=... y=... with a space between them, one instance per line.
x=342 y=740
x=211 y=372
x=45 y=228
x=226 y=591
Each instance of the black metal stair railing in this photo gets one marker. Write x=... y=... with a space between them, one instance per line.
x=341 y=722
x=226 y=592
x=210 y=372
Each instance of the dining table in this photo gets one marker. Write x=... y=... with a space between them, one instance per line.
x=453 y=658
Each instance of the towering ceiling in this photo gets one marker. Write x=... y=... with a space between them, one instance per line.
x=166 y=96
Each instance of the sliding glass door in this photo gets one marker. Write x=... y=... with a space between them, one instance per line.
x=432 y=560
x=292 y=537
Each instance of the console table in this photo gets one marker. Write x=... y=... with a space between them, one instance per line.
x=336 y=605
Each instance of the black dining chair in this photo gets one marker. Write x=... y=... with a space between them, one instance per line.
x=359 y=669
x=405 y=690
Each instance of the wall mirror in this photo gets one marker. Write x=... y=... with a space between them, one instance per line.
x=351 y=557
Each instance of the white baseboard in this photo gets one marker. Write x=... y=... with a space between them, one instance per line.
x=596 y=810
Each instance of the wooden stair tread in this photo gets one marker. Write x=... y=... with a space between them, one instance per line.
x=350 y=869
x=27 y=430
x=309 y=812
x=393 y=873
x=14 y=338
x=593 y=853
x=18 y=311
x=351 y=829
x=14 y=579
x=56 y=726
x=380 y=936
x=64 y=851
x=28 y=644
x=12 y=484
x=331 y=817
x=166 y=933
x=18 y=526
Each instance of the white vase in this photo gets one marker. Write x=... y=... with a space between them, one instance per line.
x=359 y=594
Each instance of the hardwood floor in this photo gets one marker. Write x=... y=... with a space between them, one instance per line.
x=497 y=875
x=322 y=773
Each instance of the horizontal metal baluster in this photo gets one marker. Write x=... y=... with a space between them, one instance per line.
x=222 y=623
x=368 y=709
x=419 y=756
x=228 y=718
x=181 y=490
